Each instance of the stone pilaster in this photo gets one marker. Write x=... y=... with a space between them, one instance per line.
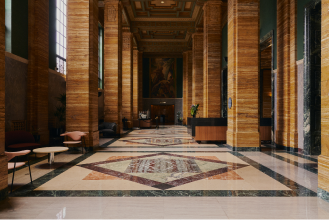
x=323 y=169
x=187 y=85
x=135 y=84
x=243 y=75
x=212 y=58
x=127 y=77
x=286 y=134
x=82 y=72
x=3 y=158
x=113 y=63
x=197 y=74
x=38 y=68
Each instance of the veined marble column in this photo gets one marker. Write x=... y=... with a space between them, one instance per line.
x=212 y=58
x=187 y=85
x=82 y=72
x=323 y=169
x=38 y=69
x=3 y=158
x=287 y=131
x=127 y=77
x=140 y=81
x=113 y=63
x=197 y=74
x=243 y=75
x=135 y=84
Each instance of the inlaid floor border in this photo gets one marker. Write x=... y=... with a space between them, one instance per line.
x=306 y=166
x=28 y=190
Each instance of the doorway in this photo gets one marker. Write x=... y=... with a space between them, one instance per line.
x=168 y=111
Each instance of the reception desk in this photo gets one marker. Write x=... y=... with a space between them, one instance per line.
x=214 y=129
x=207 y=129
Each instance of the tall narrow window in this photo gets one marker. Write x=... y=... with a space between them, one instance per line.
x=100 y=57
x=61 y=36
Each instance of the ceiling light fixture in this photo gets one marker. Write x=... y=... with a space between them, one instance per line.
x=162 y=2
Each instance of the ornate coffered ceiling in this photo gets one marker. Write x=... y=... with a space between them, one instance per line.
x=162 y=25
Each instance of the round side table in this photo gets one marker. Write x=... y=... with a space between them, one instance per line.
x=50 y=151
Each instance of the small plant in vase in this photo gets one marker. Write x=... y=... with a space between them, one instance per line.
x=194 y=110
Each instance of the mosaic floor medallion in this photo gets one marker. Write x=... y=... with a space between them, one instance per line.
x=160 y=141
x=164 y=170
x=161 y=132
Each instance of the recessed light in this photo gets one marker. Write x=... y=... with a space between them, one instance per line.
x=162 y=2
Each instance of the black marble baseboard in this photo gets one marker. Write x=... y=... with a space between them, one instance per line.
x=243 y=148
x=4 y=193
x=290 y=149
x=323 y=194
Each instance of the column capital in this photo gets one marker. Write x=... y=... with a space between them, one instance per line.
x=126 y=30
x=197 y=33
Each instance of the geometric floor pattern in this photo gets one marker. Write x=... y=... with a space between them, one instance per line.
x=164 y=170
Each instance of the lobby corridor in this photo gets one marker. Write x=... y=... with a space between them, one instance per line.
x=164 y=173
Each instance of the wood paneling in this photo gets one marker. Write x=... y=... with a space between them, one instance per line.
x=265 y=133
x=38 y=68
x=267 y=94
x=323 y=176
x=286 y=134
x=210 y=133
x=140 y=81
x=127 y=77
x=82 y=69
x=212 y=58
x=197 y=74
x=113 y=63
x=187 y=85
x=243 y=73
x=3 y=159
x=135 y=84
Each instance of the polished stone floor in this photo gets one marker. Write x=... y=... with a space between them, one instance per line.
x=164 y=173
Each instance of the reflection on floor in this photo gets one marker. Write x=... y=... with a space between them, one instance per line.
x=151 y=166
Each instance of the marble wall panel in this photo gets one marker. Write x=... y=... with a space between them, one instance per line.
x=300 y=70
x=212 y=58
x=135 y=84
x=38 y=67
x=287 y=131
x=197 y=74
x=187 y=85
x=127 y=77
x=82 y=76
x=323 y=174
x=243 y=75
x=113 y=63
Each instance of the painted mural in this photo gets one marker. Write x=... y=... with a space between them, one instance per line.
x=163 y=78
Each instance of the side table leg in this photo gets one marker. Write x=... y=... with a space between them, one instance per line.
x=51 y=158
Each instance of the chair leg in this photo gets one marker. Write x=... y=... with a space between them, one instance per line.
x=12 y=181
x=28 y=162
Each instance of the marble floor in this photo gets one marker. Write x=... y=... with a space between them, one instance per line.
x=164 y=173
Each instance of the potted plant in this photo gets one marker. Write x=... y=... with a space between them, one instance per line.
x=60 y=113
x=179 y=118
x=194 y=110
